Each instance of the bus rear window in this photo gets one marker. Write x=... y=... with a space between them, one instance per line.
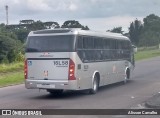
x=59 y=43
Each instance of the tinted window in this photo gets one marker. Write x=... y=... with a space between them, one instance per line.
x=87 y=42
x=113 y=44
x=119 y=44
x=107 y=44
x=80 y=42
x=61 y=43
x=98 y=44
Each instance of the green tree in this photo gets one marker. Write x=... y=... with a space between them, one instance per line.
x=150 y=35
x=7 y=48
x=38 y=25
x=22 y=34
x=117 y=30
x=73 y=24
x=151 y=21
x=9 y=45
x=2 y=27
x=85 y=28
x=135 y=31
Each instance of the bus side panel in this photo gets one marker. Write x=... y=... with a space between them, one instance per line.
x=83 y=74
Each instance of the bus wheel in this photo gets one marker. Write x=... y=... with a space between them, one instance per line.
x=55 y=92
x=127 y=76
x=95 y=86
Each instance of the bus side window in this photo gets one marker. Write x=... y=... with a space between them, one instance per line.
x=88 y=48
x=80 y=50
x=80 y=42
x=112 y=49
x=98 y=43
x=120 y=49
x=106 y=44
x=88 y=43
x=98 y=46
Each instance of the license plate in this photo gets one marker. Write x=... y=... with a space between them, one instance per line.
x=46 y=86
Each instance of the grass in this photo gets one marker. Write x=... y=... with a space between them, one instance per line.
x=11 y=67
x=145 y=54
x=11 y=74
x=11 y=79
x=148 y=48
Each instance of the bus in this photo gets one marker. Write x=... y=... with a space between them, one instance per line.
x=75 y=59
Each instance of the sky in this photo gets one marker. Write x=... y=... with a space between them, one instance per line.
x=98 y=15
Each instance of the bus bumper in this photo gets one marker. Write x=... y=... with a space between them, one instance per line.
x=51 y=84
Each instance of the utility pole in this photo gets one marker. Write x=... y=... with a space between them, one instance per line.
x=6 y=7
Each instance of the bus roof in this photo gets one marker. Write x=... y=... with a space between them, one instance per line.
x=76 y=31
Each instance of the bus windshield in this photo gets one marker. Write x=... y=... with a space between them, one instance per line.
x=58 y=43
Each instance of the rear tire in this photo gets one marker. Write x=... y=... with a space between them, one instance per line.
x=55 y=92
x=95 y=86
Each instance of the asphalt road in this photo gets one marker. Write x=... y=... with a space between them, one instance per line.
x=145 y=83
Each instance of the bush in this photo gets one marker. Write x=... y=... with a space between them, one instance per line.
x=9 y=48
x=19 y=57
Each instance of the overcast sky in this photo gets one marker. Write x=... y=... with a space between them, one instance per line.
x=100 y=15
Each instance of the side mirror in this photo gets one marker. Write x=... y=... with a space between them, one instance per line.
x=134 y=48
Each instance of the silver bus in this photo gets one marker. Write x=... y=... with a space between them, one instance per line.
x=74 y=59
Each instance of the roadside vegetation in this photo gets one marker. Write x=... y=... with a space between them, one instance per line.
x=4 y=68
x=145 y=53
x=11 y=78
x=11 y=74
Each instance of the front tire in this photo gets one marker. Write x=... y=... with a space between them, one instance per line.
x=95 y=86
x=127 y=76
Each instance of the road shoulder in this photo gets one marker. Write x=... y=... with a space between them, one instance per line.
x=153 y=102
